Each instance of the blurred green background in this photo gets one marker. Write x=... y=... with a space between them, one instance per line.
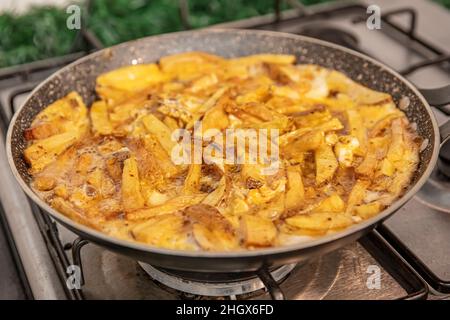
x=39 y=34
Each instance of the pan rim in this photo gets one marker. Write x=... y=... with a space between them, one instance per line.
x=141 y=247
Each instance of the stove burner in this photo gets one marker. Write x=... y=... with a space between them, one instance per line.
x=213 y=285
x=331 y=34
x=435 y=192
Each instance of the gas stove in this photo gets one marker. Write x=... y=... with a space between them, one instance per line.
x=408 y=257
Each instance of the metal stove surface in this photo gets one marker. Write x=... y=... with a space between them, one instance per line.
x=343 y=274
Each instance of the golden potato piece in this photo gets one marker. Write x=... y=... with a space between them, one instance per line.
x=357 y=130
x=210 y=229
x=172 y=205
x=189 y=65
x=165 y=231
x=333 y=203
x=326 y=163
x=130 y=79
x=100 y=118
x=320 y=221
x=131 y=189
x=66 y=114
x=42 y=152
x=376 y=150
x=369 y=210
x=307 y=142
x=258 y=231
x=44 y=183
x=192 y=181
x=160 y=131
x=357 y=194
x=338 y=82
x=295 y=192
x=216 y=196
x=264 y=58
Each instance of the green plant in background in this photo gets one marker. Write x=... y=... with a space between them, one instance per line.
x=42 y=32
x=33 y=36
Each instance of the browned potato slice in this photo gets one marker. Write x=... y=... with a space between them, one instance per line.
x=307 y=142
x=128 y=80
x=326 y=163
x=42 y=152
x=380 y=127
x=67 y=209
x=357 y=194
x=155 y=154
x=376 y=150
x=204 y=82
x=266 y=58
x=44 y=130
x=372 y=114
x=100 y=119
x=173 y=205
x=320 y=221
x=192 y=181
x=337 y=81
x=165 y=231
x=397 y=146
x=216 y=196
x=131 y=189
x=160 y=131
x=66 y=114
x=357 y=130
x=369 y=210
x=258 y=231
x=211 y=230
x=44 y=183
x=187 y=66
x=333 y=203
x=296 y=192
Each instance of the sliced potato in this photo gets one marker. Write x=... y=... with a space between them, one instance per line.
x=192 y=181
x=368 y=210
x=172 y=205
x=100 y=119
x=338 y=82
x=333 y=203
x=258 y=231
x=160 y=131
x=376 y=150
x=295 y=192
x=211 y=230
x=320 y=221
x=131 y=189
x=163 y=231
x=42 y=152
x=128 y=80
x=358 y=194
x=326 y=163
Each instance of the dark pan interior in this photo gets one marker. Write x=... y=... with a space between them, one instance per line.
x=81 y=75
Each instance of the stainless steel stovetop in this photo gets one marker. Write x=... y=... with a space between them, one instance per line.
x=406 y=258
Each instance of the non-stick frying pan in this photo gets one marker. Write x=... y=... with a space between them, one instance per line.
x=81 y=75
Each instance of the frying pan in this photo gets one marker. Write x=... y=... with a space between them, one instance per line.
x=81 y=75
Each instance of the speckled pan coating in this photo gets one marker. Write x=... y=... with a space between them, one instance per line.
x=80 y=76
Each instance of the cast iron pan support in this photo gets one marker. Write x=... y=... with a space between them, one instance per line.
x=439 y=98
x=270 y=283
x=77 y=245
